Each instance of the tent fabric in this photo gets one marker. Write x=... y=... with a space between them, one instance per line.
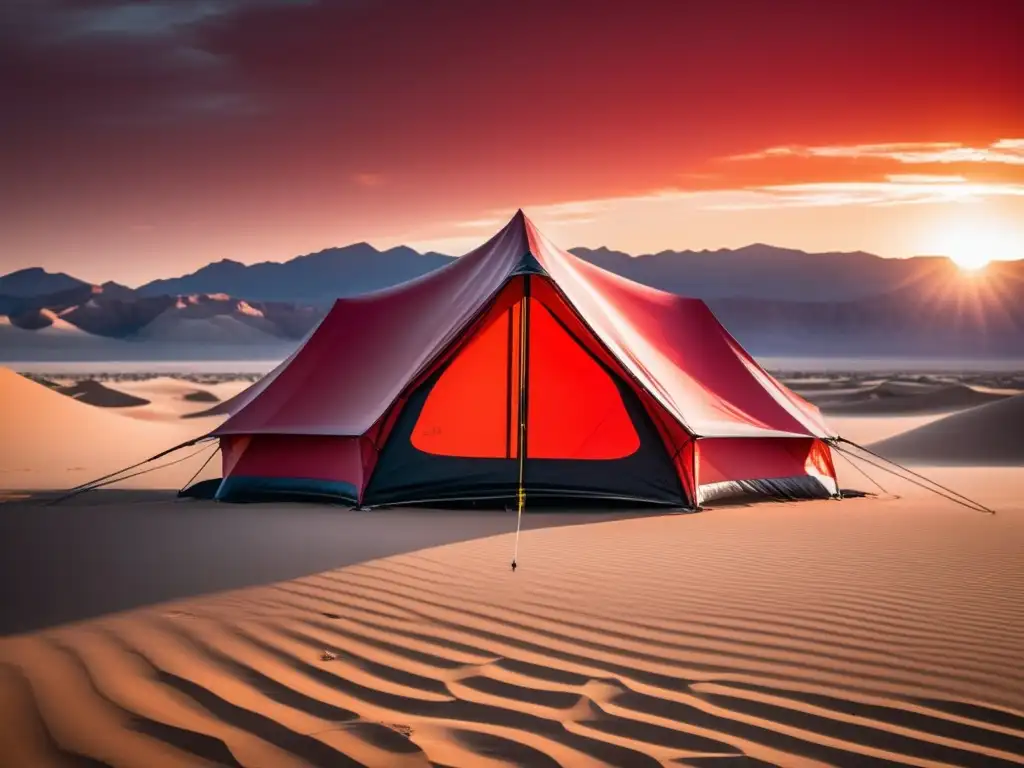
x=587 y=433
x=780 y=467
x=610 y=363
x=292 y=465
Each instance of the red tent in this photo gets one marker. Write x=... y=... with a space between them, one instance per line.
x=521 y=366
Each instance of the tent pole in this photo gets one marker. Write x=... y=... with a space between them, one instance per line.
x=524 y=360
x=693 y=474
x=509 y=384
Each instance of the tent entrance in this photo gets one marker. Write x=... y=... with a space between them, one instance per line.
x=460 y=436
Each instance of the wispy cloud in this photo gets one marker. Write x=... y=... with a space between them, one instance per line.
x=578 y=211
x=674 y=211
x=1004 y=151
x=897 y=190
x=482 y=223
x=924 y=178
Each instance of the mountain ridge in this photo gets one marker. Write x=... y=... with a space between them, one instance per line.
x=776 y=301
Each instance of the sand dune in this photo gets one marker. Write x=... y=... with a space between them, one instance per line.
x=904 y=398
x=200 y=396
x=50 y=441
x=806 y=634
x=991 y=435
x=168 y=388
x=97 y=394
x=172 y=399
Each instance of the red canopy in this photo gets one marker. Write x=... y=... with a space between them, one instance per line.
x=369 y=352
x=368 y=349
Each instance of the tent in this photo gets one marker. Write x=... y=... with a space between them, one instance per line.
x=522 y=368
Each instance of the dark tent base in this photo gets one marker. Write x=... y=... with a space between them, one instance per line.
x=281 y=489
x=252 y=490
x=804 y=487
x=536 y=502
x=204 y=489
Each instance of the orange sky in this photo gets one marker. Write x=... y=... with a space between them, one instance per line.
x=148 y=139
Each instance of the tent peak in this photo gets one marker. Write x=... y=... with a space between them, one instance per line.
x=520 y=229
x=520 y=219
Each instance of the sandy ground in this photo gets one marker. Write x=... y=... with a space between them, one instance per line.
x=52 y=441
x=865 y=632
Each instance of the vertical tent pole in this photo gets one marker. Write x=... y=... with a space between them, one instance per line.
x=693 y=472
x=524 y=358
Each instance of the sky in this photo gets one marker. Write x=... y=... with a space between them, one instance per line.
x=145 y=139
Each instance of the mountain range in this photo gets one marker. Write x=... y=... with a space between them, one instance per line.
x=776 y=301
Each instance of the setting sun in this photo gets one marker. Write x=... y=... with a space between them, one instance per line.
x=972 y=244
x=970 y=262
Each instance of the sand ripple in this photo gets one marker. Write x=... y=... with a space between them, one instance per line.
x=858 y=635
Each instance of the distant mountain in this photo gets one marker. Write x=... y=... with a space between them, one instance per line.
x=767 y=272
x=940 y=313
x=116 y=312
x=756 y=271
x=36 y=281
x=316 y=278
x=776 y=301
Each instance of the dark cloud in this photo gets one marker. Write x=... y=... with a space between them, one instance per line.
x=76 y=64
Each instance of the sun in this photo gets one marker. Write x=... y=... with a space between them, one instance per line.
x=970 y=261
x=973 y=244
x=966 y=247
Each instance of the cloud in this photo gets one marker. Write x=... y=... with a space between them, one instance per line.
x=102 y=62
x=156 y=19
x=897 y=190
x=576 y=212
x=923 y=178
x=482 y=223
x=570 y=212
x=1004 y=151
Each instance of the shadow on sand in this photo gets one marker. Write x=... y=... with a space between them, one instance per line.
x=111 y=551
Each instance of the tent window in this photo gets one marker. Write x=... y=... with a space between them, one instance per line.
x=575 y=409
x=468 y=411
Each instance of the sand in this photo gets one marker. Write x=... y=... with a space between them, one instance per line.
x=176 y=398
x=897 y=398
x=50 y=441
x=994 y=431
x=872 y=631
x=837 y=633
x=95 y=393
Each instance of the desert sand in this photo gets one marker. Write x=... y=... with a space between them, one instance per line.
x=960 y=438
x=51 y=441
x=876 y=631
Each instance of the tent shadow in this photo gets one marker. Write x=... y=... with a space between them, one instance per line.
x=116 y=550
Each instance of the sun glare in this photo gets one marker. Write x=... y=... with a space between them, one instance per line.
x=970 y=262
x=972 y=246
